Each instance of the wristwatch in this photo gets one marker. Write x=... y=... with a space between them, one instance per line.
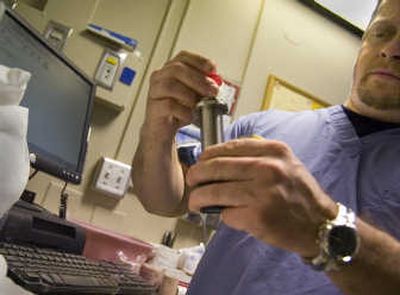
x=338 y=241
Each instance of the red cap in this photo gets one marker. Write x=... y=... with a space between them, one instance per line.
x=217 y=78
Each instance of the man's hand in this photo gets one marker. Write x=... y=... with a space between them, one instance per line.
x=266 y=191
x=175 y=90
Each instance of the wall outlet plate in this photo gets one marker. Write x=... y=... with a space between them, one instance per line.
x=107 y=69
x=112 y=178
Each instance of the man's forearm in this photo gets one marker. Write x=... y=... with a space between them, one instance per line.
x=376 y=267
x=157 y=176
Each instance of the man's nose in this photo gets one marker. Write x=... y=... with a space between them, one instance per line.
x=392 y=49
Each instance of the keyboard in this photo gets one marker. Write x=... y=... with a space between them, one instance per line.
x=44 y=271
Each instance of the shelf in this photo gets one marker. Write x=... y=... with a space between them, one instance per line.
x=105 y=98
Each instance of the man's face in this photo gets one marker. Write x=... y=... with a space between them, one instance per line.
x=377 y=72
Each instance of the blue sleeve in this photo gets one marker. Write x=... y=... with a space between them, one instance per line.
x=248 y=125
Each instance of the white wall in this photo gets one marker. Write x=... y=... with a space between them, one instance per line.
x=300 y=46
x=222 y=30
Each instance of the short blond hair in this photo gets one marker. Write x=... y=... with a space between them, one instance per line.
x=374 y=13
x=376 y=10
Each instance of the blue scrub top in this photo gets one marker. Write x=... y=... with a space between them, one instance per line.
x=361 y=173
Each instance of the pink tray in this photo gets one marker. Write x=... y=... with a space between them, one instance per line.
x=105 y=244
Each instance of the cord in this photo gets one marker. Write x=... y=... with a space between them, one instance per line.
x=62 y=210
x=33 y=174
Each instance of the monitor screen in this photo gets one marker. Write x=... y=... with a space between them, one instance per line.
x=59 y=97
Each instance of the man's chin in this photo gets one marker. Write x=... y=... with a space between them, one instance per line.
x=380 y=101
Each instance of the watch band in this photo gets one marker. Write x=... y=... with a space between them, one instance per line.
x=343 y=229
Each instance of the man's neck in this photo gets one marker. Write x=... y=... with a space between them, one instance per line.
x=389 y=116
x=365 y=125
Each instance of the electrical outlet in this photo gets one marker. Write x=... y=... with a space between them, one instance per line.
x=112 y=178
x=107 y=69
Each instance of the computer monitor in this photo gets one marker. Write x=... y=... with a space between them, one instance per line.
x=59 y=97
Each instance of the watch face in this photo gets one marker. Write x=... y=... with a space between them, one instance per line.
x=342 y=242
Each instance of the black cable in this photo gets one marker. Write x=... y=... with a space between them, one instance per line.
x=33 y=174
x=62 y=210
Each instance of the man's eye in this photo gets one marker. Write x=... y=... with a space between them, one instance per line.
x=379 y=34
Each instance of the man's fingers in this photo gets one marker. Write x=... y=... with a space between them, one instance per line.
x=247 y=147
x=172 y=88
x=227 y=194
x=196 y=61
x=170 y=107
x=178 y=86
x=192 y=78
x=173 y=73
x=233 y=169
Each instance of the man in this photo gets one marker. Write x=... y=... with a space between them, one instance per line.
x=282 y=231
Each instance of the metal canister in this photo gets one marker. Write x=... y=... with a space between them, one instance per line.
x=210 y=118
